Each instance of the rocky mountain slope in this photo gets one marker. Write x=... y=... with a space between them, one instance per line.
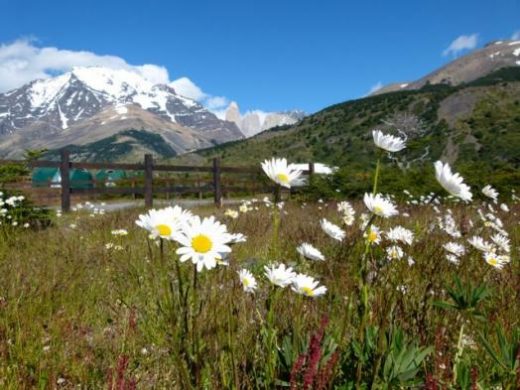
x=89 y=104
x=494 y=56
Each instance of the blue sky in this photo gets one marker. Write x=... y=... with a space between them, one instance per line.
x=269 y=55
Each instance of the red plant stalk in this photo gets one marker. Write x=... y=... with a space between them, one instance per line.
x=474 y=378
x=325 y=375
x=121 y=382
x=431 y=383
x=307 y=364
x=313 y=361
x=295 y=371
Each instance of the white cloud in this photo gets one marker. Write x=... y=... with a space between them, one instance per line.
x=185 y=87
x=516 y=35
x=216 y=102
x=463 y=42
x=376 y=87
x=22 y=62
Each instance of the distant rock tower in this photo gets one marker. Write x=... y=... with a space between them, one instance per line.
x=233 y=114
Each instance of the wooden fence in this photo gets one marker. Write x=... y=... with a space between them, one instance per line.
x=148 y=189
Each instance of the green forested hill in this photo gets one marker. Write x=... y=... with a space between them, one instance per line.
x=475 y=126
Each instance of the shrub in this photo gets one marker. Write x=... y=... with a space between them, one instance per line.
x=17 y=211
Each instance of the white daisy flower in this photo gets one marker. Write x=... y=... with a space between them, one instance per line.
x=203 y=242
x=236 y=238
x=401 y=234
x=373 y=235
x=164 y=223
x=454 y=248
x=490 y=192
x=388 y=142
x=247 y=280
x=452 y=258
x=332 y=230
x=307 y=285
x=280 y=275
x=119 y=232
x=504 y=207
x=497 y=261
x=348 y=212
x=281 y=173
x=233 y=214
x=380 y=205
x=502 y=242
x=452 y=182
x=394 y=252
x=310 y=252
x=449 y=226
x=363 y=220
x=480 y=244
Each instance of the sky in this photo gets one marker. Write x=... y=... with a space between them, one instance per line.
x=267 y=55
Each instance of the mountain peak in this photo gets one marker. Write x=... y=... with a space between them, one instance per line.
x=493 y=56
x=43 y=110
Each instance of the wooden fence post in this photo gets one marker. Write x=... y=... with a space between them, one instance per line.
x=217 y=188
x=65 y=180
x=311 y=172
x=148 y=180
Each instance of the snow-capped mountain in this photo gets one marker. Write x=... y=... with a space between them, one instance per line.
x=66 y=106
x=253 y=122
x=495 y=55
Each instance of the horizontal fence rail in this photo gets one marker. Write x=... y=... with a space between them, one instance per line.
x=148 y=185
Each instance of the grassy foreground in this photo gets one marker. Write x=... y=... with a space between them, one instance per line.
x=75 y=312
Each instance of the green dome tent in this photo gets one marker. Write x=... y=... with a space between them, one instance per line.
x=45 y=177
x=42 y=177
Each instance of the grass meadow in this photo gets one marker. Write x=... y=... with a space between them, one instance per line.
x=81 y=307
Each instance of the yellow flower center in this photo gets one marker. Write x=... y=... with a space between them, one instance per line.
x=493 y=261
x=245 y=282
x=372 y=236
x=308 y=291
x=201 y=243
x=283 y=178
x=164 y=230
x=378 y=210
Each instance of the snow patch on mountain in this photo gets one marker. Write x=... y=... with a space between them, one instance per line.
x=63 y=119
x=44 y=91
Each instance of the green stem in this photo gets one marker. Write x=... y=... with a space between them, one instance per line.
x=376 y=176
x=276 y=231
x=270 y=333
x=161 y=247
x=458 y=355
x=194 y=330
x=346 y=320
x=363 y=294
x=230 y=344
